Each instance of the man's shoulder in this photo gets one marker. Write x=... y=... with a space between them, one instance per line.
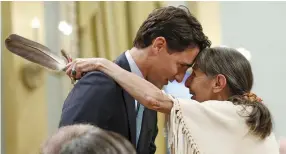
x=100 y=78
x=96 y=77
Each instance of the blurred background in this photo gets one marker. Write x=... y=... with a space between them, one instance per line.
x=32 y=97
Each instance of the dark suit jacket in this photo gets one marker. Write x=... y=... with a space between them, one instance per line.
x=97 y=99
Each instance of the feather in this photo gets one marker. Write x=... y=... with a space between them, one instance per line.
x=34 y=52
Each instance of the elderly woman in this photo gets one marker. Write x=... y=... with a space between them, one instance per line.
x=223 y=116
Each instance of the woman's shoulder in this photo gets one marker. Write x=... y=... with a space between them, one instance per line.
x=210 y=108
x=209 y=103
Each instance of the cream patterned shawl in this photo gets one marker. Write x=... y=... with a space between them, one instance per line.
x=212 y=127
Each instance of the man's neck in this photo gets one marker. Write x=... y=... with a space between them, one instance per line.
x=140 y=57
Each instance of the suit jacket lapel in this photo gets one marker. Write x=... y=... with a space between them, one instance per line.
x=129 y=101
x=131 y=116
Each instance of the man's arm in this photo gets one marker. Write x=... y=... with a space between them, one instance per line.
x=88 y=101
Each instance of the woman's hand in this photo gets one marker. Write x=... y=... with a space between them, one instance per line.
x=80 y=66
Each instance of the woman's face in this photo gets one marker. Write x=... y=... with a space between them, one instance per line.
x=200 y=86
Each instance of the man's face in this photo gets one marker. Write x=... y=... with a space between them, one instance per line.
x=168 y=67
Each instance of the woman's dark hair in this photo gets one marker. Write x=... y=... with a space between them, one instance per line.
x=238 y=73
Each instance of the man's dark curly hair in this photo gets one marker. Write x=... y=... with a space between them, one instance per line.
x=177 y=25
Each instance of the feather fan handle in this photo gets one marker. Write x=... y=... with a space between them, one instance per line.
x=34 y=52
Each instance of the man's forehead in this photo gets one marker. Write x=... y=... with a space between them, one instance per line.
x=188 y=55
x=189 y=58
x=192 y=53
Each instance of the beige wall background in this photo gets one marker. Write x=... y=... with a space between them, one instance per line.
x=24 y=111
x=105 y=29
x=1 y=80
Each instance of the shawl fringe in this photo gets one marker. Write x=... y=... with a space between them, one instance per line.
x=180 y=140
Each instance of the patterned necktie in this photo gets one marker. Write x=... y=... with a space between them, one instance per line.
x=139 y=121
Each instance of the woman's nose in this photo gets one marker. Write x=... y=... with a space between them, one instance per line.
x=188 y=81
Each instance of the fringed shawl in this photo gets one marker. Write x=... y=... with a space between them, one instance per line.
x=212 y=127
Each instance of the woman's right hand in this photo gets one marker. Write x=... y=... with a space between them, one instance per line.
x=77 y=68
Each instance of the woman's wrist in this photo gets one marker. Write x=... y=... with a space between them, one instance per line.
x=107 y=67
x=98 y=64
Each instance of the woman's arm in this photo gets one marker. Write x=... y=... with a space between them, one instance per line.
x=142 y=90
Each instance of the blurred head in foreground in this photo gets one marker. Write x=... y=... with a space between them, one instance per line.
x=86 y=139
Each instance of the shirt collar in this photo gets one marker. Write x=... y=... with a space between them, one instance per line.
x=133 y=66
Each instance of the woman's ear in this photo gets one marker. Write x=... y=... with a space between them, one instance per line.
x=219 y=83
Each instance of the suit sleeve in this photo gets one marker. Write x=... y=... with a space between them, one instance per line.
x=152 y=146
x=88 y=101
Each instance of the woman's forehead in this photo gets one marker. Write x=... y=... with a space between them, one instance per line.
x=196 y=66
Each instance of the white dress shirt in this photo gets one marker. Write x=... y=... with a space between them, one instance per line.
x=134 y=69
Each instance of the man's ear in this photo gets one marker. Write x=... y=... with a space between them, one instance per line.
x=159 y=44
x=219 y=83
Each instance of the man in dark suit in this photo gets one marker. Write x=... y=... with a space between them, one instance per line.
x=165 y=46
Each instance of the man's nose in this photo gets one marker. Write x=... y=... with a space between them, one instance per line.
x=180 y=77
